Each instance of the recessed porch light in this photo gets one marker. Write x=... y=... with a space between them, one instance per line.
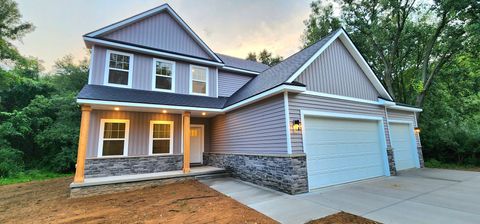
x=164 y=111
x=203 y=113
x=116 y=108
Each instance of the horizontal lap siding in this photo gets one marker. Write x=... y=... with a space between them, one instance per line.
x=138 y=133
x=257 y=128
x=405 y=116
x=142 y=72
x=230 y=82
x=299 y=102
x=335 y=71
x=162 y=32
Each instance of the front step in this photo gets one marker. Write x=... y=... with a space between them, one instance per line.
x=213 y=176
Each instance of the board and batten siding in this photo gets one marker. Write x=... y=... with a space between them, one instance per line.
x=405 y=116
x=335 y=71
x=297 y=102
x=258 y=129
x=142 y=72
x=159 y=31
x=230 y=82
x=138 y=140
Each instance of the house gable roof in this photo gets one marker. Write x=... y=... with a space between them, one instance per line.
x=147 y=14
x=289 y=69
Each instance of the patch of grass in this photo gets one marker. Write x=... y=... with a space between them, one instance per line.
x=31 y=175
x=433 y=163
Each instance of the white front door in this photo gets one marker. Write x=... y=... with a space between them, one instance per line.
x=342 y=150
x=196 y=143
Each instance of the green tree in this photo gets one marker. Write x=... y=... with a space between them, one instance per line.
x=11 y=28
x=264 y=57
x=320 y=23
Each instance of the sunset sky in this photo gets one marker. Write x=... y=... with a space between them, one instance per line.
x=229 y=27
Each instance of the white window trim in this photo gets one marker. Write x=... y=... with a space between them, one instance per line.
x=107 y=69
x=150 y=139
x=101 y=135
x=206 y=81
x=154 y=75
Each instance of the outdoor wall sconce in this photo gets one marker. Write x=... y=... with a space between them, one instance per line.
x=416 y=130
x=297 y=125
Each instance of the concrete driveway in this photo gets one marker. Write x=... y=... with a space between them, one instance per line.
x=415 y=196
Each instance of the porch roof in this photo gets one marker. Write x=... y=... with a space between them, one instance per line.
x=107 y=93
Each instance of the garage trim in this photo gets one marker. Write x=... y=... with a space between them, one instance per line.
x=381 y=126
x=412 y=138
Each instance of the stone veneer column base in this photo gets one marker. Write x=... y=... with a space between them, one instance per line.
x=420 y=156
x=286 y=173
x=391 y=162
x=117 y=166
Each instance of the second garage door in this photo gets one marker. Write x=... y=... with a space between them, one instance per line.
x=402 y=144
x=342 y=150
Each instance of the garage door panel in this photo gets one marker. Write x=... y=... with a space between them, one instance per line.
x=342 y=150
x=402 y=146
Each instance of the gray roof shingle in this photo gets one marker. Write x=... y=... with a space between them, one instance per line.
x=107 y=93
x=278 y=74
x=242 y=63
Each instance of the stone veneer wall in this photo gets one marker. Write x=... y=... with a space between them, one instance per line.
x=391 y=161
x=116 y=166
x=287 y=173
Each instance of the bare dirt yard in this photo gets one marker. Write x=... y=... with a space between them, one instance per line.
x=341 y=218
x=185 y=202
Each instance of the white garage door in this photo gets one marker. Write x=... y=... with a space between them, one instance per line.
x=342 y=150
x=402 y=146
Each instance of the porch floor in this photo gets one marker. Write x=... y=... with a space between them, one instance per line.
x=194 y=171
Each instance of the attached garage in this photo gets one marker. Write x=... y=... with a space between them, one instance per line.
x=343 y=149
x=404 y=150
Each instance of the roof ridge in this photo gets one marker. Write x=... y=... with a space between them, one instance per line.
x=226 y=55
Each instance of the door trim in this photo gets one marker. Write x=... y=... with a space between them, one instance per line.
x=203 y=139
x=412 y=139
x=379 y=119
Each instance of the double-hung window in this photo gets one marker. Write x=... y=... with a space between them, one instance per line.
x=198 y=80
x=163 y=75
x=113 y=137
x=118 y=70
x=161 y=137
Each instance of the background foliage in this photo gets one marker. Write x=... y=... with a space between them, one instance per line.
x=426 y=53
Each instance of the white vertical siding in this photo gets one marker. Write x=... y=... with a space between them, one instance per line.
x=138 y=133
x=299 y=102
x=143 y=71
x=336 y=72
x=257 y=128
x=230 y=82
x=160 y=31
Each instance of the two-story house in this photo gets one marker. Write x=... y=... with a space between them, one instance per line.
x=160 y=100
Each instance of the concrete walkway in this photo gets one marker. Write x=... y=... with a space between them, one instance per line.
x=415 y=196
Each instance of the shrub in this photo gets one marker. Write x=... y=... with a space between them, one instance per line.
x=11 y=162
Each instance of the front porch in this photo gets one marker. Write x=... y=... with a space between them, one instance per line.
x=122 y=145
x=194 y=172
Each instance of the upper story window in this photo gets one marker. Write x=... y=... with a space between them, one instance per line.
x=118 y=70
x=198 y=80
x=163 y=75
